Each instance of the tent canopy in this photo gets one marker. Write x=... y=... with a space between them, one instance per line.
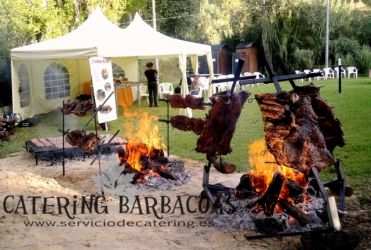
x=97 y=36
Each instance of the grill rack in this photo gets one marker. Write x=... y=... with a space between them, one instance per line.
x=209 y=189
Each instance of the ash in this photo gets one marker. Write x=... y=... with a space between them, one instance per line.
x=52 y=158
x=158 y=183
x=234 y=214
x=116 y=182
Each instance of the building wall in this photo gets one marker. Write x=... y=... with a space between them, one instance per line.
x=225 y=62
x=250 y=55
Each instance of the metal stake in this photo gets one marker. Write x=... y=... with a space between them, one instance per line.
x=98 y=153
x=63 y=134
x=97 y=110
x=168 y=129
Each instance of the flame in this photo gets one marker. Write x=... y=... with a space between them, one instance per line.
x=143 y=135
x=263 y=166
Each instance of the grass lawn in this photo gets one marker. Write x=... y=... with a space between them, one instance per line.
x=352 y=107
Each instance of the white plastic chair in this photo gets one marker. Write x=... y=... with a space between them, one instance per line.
x=352 y=71
x=248 y=74
x=307 y=71
x=218 y=87
x=143 y=92
x=328 y=73
x=342 y=72
x=165 y=88
x=298 y=72
x=228 y=85
x=204 y=86
x=248 y=85
x=318 y=71
x=258 y=75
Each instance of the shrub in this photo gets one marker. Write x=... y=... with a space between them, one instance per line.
x=303 y=58
x=363 y=60
x=344 y=46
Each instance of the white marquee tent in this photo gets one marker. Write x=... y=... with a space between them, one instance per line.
x=33 y=65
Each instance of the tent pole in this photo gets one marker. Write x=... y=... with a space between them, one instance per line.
x=154 y=25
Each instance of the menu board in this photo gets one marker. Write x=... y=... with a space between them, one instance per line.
x=101 y=75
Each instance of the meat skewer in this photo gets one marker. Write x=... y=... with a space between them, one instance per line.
x=329 y=125
x=189 y=101
x=295 y=137
x=221 y=123
x=185 y=123
x=82 y=140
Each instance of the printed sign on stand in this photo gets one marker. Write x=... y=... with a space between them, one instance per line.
x=101 y=74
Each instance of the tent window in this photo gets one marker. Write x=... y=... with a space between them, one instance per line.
x=57 y=81
x=117 y=71
x=24 y=86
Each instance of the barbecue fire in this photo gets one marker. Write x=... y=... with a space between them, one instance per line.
x=143 y=154
x=273 y=188
x=301 y=132
x=264 y=166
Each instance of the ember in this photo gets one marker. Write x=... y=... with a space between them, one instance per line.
x=263 y=167
x=272 y=198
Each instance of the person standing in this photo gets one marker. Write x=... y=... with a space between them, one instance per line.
x=151 y=75
x=195 y=86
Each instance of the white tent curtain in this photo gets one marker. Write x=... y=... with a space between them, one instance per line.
x=211 y=72
x=183 y=70
x=194 y=63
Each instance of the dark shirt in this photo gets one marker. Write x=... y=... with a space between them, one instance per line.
x=151 y=75
x=189 y=81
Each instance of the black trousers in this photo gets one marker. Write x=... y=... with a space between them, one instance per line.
x=152 y=91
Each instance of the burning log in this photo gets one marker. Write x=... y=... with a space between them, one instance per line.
x=120 y=151
x=296 y=213
x=162 y=172
x=221 y=123
x=189 y=101
x=269 y=200
x=293 y=136
x=245 y=189
x=151 y=162
x=295 y=190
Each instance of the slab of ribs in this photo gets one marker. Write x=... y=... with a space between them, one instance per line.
x=221 y=123
x=300 y=129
